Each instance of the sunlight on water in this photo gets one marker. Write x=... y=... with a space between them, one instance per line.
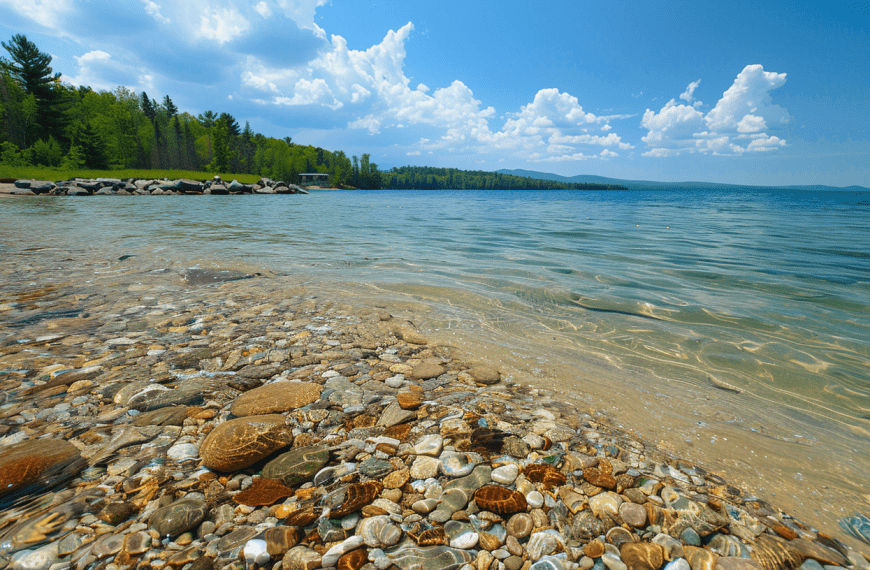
x=731 y=327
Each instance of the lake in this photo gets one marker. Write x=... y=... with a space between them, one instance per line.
x=731 y=328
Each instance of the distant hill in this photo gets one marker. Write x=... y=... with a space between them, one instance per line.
x=653 y=185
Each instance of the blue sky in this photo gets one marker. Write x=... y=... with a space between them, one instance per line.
x=739 y=92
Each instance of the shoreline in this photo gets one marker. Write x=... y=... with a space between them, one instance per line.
x=85 y=349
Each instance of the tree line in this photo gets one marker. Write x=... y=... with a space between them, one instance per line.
x=45 y=122
x=429 y=178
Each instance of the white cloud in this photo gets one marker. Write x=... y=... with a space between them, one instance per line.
x=607 y=153
x=751 y=124
x=48 y=13
x=749 y=95
x=97 y=69
x=315 y=92
x=263 y=9
x=745 y=108
x=690 y=90
x=765 y=143
x=153 y=9
x=222 y=25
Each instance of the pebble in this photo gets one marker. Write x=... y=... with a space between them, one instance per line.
x=230 y=426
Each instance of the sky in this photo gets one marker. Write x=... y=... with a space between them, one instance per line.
x=743 y=92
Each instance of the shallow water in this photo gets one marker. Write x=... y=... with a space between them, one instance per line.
x=727 y=327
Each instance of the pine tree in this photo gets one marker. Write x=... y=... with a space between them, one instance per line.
x=170 y=107
x=147 y=107
x=31 y=69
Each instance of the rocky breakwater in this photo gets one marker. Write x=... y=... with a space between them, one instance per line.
x=230 y=430
x=148 y=186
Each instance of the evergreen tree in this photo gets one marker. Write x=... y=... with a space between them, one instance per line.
x=232 y=124
x=148 y=107
x=31 y=69
x=170 y=107
x=221 y=159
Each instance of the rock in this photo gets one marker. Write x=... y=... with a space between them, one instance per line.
x=599 y=479
x=276 y=397
x=430 y=558
x=280 y=539
x=633 y=515
x=255 y=552
x=428 y=369
x=263 y=492
x=353 y=497
x=605 y=505
x=542 y=544
x=393 y=415
x=424 y=467
x=520 y=525
x=455 y=464
x=430 y=445
x=238 y=443
x=546 y=475
x=180 y=516
x=301 y=558
x=297 y=465
x=485 y=375
x=37 y=465
x=594 y=549
x=699 y=559
x=736 y=563
x=353 y=560
x=410 y=400
x=642 y=555
x=500 y=500
x=379 y=532
x=506 y=474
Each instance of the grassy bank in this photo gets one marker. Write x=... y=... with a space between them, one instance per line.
x=55 y=174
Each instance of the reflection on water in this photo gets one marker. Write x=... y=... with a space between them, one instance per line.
x=732 y=326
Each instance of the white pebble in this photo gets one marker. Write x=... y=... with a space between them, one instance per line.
x=255 y=552
x=506 y=474
x=535 y=499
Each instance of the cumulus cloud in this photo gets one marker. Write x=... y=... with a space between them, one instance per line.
x=99 y=70
x=688 y=94
x=153 y=9
x=746 y=108
x=48 y=13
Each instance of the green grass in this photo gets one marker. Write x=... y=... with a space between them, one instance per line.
x=57 y=174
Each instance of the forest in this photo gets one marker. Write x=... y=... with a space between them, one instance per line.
x=47 y=123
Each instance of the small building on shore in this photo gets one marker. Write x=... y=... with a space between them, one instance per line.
x=313 y=178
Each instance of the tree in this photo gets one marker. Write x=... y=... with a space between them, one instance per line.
x=220 y=161
x=18 y=111
x=232 y=125
x=31 y=69
x=46 y=152
x=10 y=155
x=170 y=107
x=148 y=107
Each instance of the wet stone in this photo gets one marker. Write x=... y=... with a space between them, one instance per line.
x=500 y=500
x=168 y=416
x=178 y=517
x=37 y=464
x=276 y=397
x=393 y=415
x=297 y=465
x=238 y=443
x=633 y=515
x=642 y=555
x=263 y=492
